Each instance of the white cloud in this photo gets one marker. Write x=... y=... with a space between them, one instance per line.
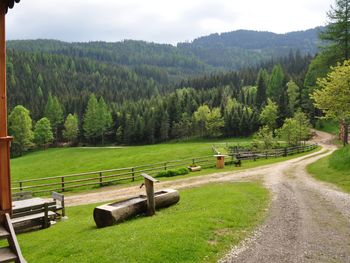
x=158 y=20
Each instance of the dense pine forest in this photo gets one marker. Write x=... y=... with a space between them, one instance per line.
x=134 y=92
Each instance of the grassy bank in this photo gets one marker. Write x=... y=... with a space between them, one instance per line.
x=334 y=169
x=329 y=126
x=200 y=228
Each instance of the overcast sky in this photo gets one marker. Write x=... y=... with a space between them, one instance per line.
x=159 y=21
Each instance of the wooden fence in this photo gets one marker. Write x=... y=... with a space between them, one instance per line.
x=106 y=177
x=272 y=153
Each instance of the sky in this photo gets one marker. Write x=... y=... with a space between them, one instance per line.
x=159 y=21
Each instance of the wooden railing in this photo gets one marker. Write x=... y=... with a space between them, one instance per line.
x=106 y=177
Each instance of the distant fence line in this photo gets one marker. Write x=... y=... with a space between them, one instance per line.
x=106 y=177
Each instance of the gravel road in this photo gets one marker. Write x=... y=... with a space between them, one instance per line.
x=308 y=220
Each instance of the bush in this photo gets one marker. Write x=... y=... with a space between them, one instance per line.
x=171 y=173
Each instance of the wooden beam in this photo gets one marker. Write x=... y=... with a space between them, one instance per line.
x=5 y=186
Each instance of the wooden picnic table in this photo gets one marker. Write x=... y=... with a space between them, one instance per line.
x=16 y=205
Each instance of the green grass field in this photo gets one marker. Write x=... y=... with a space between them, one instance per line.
x=329 y=126
x=62 y=161
x=200 y=228
x=334 y=169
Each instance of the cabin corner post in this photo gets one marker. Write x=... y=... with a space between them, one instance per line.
x=5 y=140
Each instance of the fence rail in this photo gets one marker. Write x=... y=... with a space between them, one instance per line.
x=106 y=177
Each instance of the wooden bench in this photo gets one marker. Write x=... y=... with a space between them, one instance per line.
x=59 y=200
x=30 y=217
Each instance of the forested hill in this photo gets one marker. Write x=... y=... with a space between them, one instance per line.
x=216 y=52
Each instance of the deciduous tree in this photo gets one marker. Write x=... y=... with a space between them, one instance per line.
x=333 y=97
x=71 y=128
x=20 y=127
x=43 y=132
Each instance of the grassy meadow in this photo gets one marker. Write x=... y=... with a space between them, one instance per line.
x=329 y=126
x=202 y=227
x=62 y=161
x=334 y=169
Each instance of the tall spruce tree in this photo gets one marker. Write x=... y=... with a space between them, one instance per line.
x=276 y=84
x=338 y=29
x=262 y=84
x=91 y=122
x=104 y=121
x=54 y=112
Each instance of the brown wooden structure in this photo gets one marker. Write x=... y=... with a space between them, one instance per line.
x=5 y=140
x=220 y=161
x=12 y=252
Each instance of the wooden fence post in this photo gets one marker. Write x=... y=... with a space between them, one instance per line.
x=165 y=166
x=133 y=174
x=100 y=178
x=20 y=186
x=62 y=183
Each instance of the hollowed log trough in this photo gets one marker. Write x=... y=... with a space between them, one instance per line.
x=114 y=213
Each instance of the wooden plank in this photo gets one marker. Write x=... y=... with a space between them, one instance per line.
x=3 y=232
x=13 y=240
x=150 y=178
x=6 y=255
x=32 y=217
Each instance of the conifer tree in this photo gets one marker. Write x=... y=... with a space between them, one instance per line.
x=91 y=121
x=338 y=29
x=54 y=112
x=104 y=120
x=262 y=84
x=276 y=84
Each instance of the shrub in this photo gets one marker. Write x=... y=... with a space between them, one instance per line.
x=171 y=173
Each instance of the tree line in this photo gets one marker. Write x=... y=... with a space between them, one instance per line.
x=211 y=106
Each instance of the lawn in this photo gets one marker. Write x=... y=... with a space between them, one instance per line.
x=334 y=169
x=200 y=228
x=62 y=161
x=329 y=126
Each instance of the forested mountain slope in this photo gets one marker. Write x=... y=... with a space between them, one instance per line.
x=229 y=51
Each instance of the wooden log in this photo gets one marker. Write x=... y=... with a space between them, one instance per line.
x=114 y=213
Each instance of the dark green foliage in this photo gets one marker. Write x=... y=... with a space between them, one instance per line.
x=262 y=84
x=337 y=32
x=171 y=173
x=137 y=105
x=231 y=50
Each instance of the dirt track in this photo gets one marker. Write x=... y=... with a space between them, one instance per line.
x=308 y=221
